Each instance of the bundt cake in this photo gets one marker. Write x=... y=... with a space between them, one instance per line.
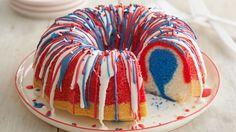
x=99 y=62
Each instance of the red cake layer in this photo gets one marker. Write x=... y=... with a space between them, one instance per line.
x=73 y=96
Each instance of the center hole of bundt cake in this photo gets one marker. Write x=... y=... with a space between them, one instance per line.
x=121 y=40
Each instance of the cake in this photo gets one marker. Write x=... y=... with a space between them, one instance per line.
x=99 y=62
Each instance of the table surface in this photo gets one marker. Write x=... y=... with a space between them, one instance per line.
x=19 y=36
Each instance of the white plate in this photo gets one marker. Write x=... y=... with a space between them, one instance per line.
x=44 y=2
x=48 y=14
x=54 y=8
x=163 y=115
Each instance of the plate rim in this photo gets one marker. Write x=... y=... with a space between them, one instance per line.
x=94 y=129
x=17 y=4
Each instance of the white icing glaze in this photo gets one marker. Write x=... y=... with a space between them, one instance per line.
x=104 y=80
x=80 y=80
x=76 y=70
x=131 y=71
x=88 y=69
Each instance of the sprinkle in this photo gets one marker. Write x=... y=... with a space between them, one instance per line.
x=48 y=113
x=206 y=92
x=37 y=90
x=106 y=53
x=74 y=124
x=141 y=126
x=180 y=117
x=54 y=35
x=38 y=105
x=186 y=110
x=94 y=125
x=118 y=129
x=29 y=87
x=34 y=100
x=133 y=127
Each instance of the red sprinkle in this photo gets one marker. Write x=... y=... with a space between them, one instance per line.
x=133 y=127
x=48 y=113
x=180 y=117
x=34 y=100
x=186 y=110
x=206 y=92
x=74 y=124
x=29 y=87
x=141 y=126
x=94 y=125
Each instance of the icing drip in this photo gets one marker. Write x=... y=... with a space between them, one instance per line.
x=134 y=80
x=106 y=73
x=88 y=67
x=55 y=76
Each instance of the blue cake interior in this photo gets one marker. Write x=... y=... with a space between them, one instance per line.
x=162 y=65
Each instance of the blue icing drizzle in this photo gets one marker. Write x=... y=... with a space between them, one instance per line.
x=66 y=61
x=134 y=73
x=130 y=35
x=113 y=32
x=162 y=65
x=115 y=93
x=96 y=30
x=83 y=83
x=107 y=27
x=126 y=11
x=135 y=25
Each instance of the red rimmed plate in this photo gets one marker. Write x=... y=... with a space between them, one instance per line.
x=165 y=115
x=46 y=12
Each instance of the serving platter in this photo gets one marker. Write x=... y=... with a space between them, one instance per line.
x=163 y=115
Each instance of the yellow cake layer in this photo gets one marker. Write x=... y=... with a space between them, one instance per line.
x=109 y=111
x=195 y=88
x=124 y=109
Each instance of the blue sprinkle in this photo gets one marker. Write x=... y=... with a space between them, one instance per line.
x=54 y=35
x=38 y=105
